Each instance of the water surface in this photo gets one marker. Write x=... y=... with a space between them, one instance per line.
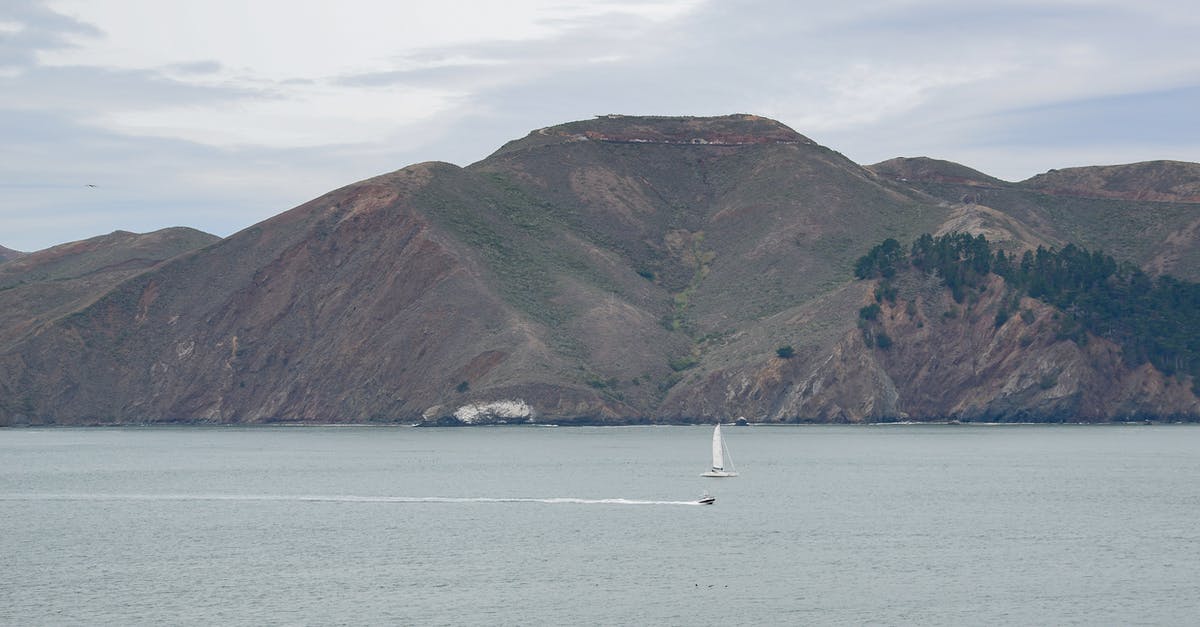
x=929 y=525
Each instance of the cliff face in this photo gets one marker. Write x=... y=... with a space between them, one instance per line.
x=957 y=361
x=613 y=270
x=944 y=360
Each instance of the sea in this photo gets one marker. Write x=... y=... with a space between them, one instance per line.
x=524 y=525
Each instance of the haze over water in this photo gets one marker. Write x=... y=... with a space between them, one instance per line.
x=911 y=524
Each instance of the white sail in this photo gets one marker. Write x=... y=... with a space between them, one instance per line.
x=718 y=449
x=719 y=455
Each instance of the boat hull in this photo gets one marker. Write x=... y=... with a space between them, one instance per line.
x=718 y=473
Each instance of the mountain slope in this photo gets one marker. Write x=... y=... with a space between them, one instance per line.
x=732 y=228
x=1145 y=213
x=1158 y=181
x=42 y=286
x=7 y=254
x=293 y=318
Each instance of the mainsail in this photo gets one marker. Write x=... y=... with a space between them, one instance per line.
x=718 y=450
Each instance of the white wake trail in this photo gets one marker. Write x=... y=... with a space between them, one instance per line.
x=333 y=499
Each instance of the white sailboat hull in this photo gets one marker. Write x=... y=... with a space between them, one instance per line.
x=719 y=473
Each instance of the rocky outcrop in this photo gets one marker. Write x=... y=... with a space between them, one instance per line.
x=943 y=360
x=970 y=361
x=730 y=130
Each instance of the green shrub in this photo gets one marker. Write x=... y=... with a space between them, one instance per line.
x=683 y=363
x=870 y=312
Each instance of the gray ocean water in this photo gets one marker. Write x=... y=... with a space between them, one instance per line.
x=827 y=525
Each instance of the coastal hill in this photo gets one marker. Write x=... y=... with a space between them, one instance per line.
x=39 y=288
x=7 y=254
x=1162 y=181
x=616 y=270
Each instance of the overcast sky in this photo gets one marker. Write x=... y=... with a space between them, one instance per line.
x=217 y=114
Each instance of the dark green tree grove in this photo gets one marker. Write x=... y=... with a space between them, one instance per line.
x=1153 y=319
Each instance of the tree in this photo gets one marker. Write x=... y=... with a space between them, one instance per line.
x=882 y=261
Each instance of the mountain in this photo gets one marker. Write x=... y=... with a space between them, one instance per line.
x=616 y=270
x=7 y=254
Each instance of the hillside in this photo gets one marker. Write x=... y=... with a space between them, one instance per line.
x=1129 y=211
x=1159 y=181
x=40 y=287
x=926 y=170
x=7 y=254
x=622 y=269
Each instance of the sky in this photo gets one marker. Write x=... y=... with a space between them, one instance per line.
x=217 y=114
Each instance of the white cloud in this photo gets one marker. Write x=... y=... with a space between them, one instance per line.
x=864 y=94
x=281 y=39
x=286 y=57
x=297 y=116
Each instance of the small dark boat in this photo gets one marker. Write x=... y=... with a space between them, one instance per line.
x=707 y=500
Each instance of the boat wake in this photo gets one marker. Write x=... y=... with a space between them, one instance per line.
x=331 y=499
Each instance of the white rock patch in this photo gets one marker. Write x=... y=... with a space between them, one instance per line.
x=495 y=411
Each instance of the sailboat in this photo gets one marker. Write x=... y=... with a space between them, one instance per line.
x=720 y=453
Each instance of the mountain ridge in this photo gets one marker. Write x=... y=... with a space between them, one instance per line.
x=1156 y=181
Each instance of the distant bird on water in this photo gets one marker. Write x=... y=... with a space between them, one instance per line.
x=90 y=185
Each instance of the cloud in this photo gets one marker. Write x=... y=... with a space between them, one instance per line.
x=193 y=67
x=238 y=110
x=297 y=74
x=90 y=91
x=28 y=28
x=295 y=116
